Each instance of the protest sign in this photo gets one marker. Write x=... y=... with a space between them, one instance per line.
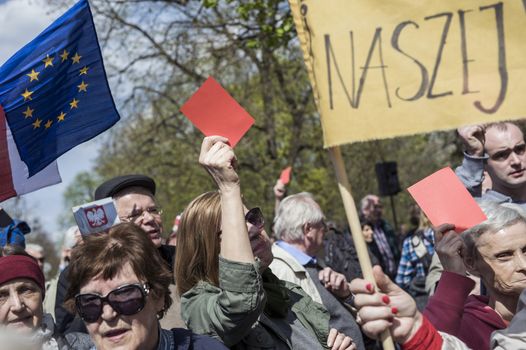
x=382 y=69
x=285 y=175
x=445 y=200
x=97 y=216
x=213 y=111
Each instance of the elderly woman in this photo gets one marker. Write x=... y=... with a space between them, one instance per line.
x=223 y=287
x=119 y=285
x=495 y=251
x=24 y=324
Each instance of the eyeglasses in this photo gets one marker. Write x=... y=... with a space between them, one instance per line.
x=126 y=300
x=255 y=217
x=137 y=215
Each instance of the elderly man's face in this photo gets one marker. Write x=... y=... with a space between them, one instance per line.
x=141 y=209
x=502 y=260
x=374 y=210
x=507 y=157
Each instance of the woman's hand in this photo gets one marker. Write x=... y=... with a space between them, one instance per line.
x=449 y=248
x=390 y=308
x=218 y=158
x=339 y=341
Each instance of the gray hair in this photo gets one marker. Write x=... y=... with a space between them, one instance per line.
x=366 y=202
x=499 y=216
x=293 y=213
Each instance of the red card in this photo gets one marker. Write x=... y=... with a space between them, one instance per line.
x=444 y=199
x=285 y=175
x=213 y=111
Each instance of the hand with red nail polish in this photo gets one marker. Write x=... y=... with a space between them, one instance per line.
x=389 y=307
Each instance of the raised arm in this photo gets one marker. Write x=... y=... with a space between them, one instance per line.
x=218 y=158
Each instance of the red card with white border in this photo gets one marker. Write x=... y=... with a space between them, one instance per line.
x=444 y=199
x=214 y=112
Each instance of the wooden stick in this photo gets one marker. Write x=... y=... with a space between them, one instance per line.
x=356 y=229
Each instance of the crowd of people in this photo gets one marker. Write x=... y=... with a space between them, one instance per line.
x=221 y=281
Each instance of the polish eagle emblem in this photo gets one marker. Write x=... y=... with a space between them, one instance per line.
x=96 y=216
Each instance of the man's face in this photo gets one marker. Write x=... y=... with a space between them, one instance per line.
x=39 y=257
x=315 y=233
x=141 y=209
x=507 y=157
x=374 y=210
x=502 y=260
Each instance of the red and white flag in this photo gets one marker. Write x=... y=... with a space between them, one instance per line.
x=14 y=179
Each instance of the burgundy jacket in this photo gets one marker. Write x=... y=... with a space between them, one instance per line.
x=468 y=317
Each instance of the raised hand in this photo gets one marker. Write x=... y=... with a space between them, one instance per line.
x=449 y=248
x=472 y=137
x=218 y=158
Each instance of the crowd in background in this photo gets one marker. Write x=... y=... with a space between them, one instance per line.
x=219 y=280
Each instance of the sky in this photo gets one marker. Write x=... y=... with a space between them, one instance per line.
x=21 y=21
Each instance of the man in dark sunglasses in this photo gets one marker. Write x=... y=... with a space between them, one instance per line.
x=300 y=226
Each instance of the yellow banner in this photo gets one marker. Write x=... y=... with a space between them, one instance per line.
x=385 y=68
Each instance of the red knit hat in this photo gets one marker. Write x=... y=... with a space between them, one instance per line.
x=21 y=266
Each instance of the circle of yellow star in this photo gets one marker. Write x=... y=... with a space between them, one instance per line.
x=48 y=61
x=61 y=117
x=76 y=58
x=64 y=55
x=84 y=70
x=36 y=124
x=27 y=95
x=74 y=103
x=33 y=75
x=83 y=87
x=28 y=112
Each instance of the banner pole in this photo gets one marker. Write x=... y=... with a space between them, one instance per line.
x=356 y=229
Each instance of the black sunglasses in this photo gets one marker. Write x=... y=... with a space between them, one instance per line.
x=255 y=217
x=126 y=300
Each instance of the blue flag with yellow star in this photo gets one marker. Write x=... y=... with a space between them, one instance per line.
x=54 y=91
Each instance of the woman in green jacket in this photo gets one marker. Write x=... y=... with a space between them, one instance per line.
x=222 y=275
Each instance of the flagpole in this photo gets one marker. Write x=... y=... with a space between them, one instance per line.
x=356 y=229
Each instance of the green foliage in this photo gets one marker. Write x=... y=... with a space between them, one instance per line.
x=250 y=47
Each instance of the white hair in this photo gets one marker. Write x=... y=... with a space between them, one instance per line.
x=35 y=247
x=499 y=216
x=293 y=213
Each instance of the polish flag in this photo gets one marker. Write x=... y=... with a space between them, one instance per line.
x=14 y=179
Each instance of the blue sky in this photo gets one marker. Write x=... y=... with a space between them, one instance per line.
x=21 y=21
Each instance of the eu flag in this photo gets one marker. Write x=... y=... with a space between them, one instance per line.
x=54 y=91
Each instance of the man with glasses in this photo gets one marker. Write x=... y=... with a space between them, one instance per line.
x=299 y=227
x=134 y=197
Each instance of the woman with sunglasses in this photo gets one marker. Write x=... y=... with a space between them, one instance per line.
x=23 y=324
x=227 y=290
x=119 y=285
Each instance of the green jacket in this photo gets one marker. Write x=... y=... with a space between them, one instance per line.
x=234 y=312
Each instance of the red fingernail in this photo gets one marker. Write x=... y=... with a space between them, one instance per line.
x=394 y=310
x=369 y=287
x=386 y=299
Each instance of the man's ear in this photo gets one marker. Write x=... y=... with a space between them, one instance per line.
x=306 y=229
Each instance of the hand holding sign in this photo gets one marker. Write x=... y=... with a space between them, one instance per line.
x=444 y=199
x=213 y=111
